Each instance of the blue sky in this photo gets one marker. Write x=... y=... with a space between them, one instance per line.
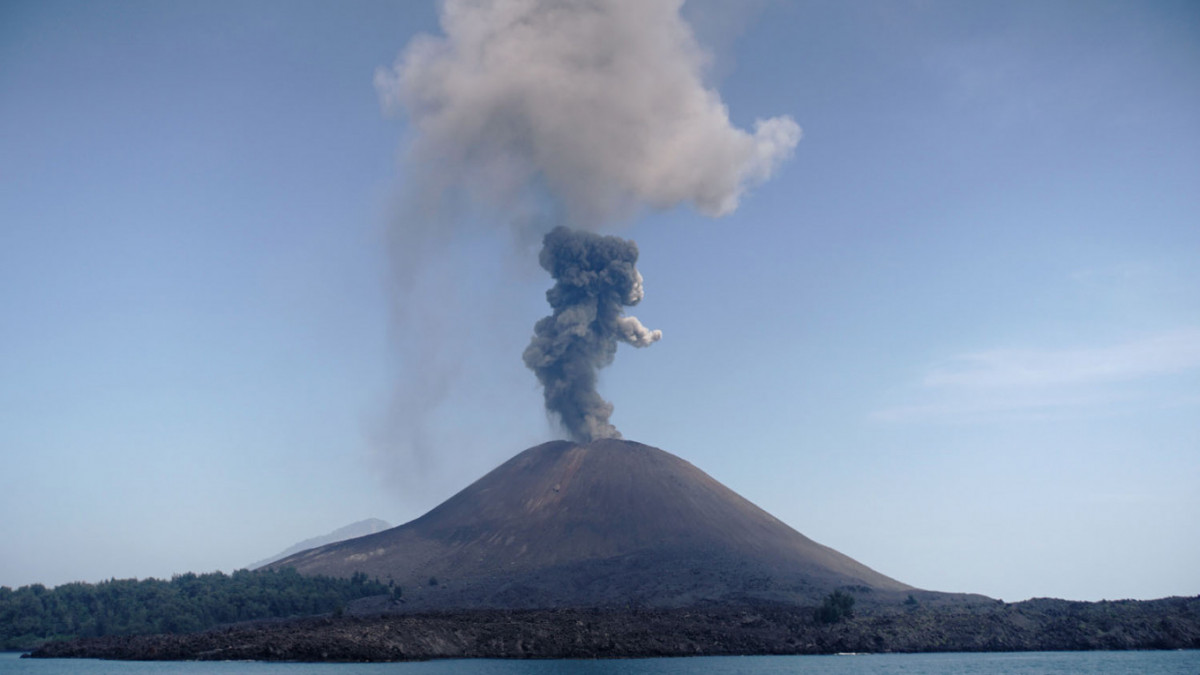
x=956 y=336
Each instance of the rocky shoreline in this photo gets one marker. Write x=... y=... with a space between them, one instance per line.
x=1033 y=625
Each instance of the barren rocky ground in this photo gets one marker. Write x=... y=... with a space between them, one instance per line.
x=1172 y=623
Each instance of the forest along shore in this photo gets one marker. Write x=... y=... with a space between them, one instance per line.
x=1033 y=625
x=33 y=615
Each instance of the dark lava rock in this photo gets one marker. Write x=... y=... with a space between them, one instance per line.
x=1171 y=623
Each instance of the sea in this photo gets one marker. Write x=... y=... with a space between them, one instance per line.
x=1184 y=662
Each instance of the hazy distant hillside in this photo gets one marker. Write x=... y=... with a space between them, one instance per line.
x=359 y=529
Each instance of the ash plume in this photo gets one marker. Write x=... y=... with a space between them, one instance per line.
x=528 y=115
x=595 y=279
x=594 y=108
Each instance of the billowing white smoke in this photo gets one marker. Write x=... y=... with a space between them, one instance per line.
x=596 y=105
x=633 y=332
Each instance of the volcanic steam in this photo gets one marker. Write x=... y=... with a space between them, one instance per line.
x=580 y=113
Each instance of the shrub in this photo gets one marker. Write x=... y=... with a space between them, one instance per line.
x=836 y=607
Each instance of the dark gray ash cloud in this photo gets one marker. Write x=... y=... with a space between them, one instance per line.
x=595 y=279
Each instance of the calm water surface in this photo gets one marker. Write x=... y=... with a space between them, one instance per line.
x=1030 y=663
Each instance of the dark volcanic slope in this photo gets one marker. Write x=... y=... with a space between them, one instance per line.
x=608 y=523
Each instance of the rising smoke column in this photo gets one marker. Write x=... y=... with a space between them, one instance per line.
x=544 y=113
x=595 y=279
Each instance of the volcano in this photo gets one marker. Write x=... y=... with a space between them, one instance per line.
x=607 y=523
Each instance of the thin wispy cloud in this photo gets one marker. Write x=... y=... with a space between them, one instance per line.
x=1120 y=274
x=1047 y=382
x=1159 y=354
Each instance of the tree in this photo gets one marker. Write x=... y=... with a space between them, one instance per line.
x=836 y=606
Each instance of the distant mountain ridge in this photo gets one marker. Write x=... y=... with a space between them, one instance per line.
x=603 y=524
x=358 y=529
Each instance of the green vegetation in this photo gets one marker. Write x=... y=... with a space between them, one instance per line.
x=836 y=606
x=31 y=615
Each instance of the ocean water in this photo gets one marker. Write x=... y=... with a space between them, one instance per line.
x=1185 y=662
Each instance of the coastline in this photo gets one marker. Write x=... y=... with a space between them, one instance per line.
x=751 y=629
